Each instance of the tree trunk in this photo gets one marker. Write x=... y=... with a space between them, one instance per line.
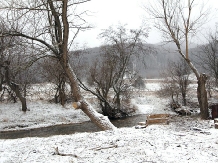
x=100 y=120
x=201 y=90
x=62 y=93
x=1 y=82
x=15 y=87
x=184 y=99
x=23 y=102
x=202 y=96
x=63 y=38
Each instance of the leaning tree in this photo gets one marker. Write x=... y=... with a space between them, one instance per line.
x=178 y=21
x=52 y=25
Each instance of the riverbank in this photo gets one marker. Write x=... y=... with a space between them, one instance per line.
x=43 y=114
x=183 y=140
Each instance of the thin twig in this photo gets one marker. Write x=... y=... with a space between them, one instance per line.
x=100 y=148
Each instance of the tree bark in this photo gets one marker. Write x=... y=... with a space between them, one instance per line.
x=15 y=87
x=184 y=99
x=100 y=120
x=202 y=96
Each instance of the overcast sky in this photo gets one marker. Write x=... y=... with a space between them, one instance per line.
x=113 y=12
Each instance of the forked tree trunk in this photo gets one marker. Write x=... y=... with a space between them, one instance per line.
x=202 y=96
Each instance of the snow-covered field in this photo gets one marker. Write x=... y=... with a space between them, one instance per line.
x=41 y=114
x=185 y=139
x=128 y=145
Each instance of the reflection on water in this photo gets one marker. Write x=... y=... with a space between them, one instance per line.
x=69 y=128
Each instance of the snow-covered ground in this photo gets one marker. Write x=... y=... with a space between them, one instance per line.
x=185 y=139
x=44 y=113
x=176 y=142
x=41 y=114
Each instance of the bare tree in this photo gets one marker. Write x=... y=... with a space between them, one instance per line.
x=181 y=74
x=50 y=25
x=208 y=56
x=177 y=80
x=178 y=22
x=10 y=67
x=207 y=59
x=54 y=73
x=113 y=70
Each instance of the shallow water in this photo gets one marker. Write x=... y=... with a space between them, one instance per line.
x=66 y=129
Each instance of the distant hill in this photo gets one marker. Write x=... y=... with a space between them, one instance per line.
x=155 y=62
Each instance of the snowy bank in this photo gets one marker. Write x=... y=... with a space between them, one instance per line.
x=177 y=142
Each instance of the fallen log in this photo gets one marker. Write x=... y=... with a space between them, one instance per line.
x=158 y=119
x=158 y=116
x=142 y=123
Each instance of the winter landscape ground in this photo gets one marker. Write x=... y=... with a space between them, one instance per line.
x=185 y=139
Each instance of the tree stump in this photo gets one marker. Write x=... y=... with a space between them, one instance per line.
x=216 y=125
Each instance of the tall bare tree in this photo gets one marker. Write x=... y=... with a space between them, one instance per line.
x=52 y=25
x=208 y=55
x=112 y=66
x=178 y=22
x=11 y=66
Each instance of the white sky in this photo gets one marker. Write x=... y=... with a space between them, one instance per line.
x=130 y=12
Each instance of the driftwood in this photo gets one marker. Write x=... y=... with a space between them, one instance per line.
x=154 y=119
x=141 y=126
x=100 y=148
x=63 y=154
